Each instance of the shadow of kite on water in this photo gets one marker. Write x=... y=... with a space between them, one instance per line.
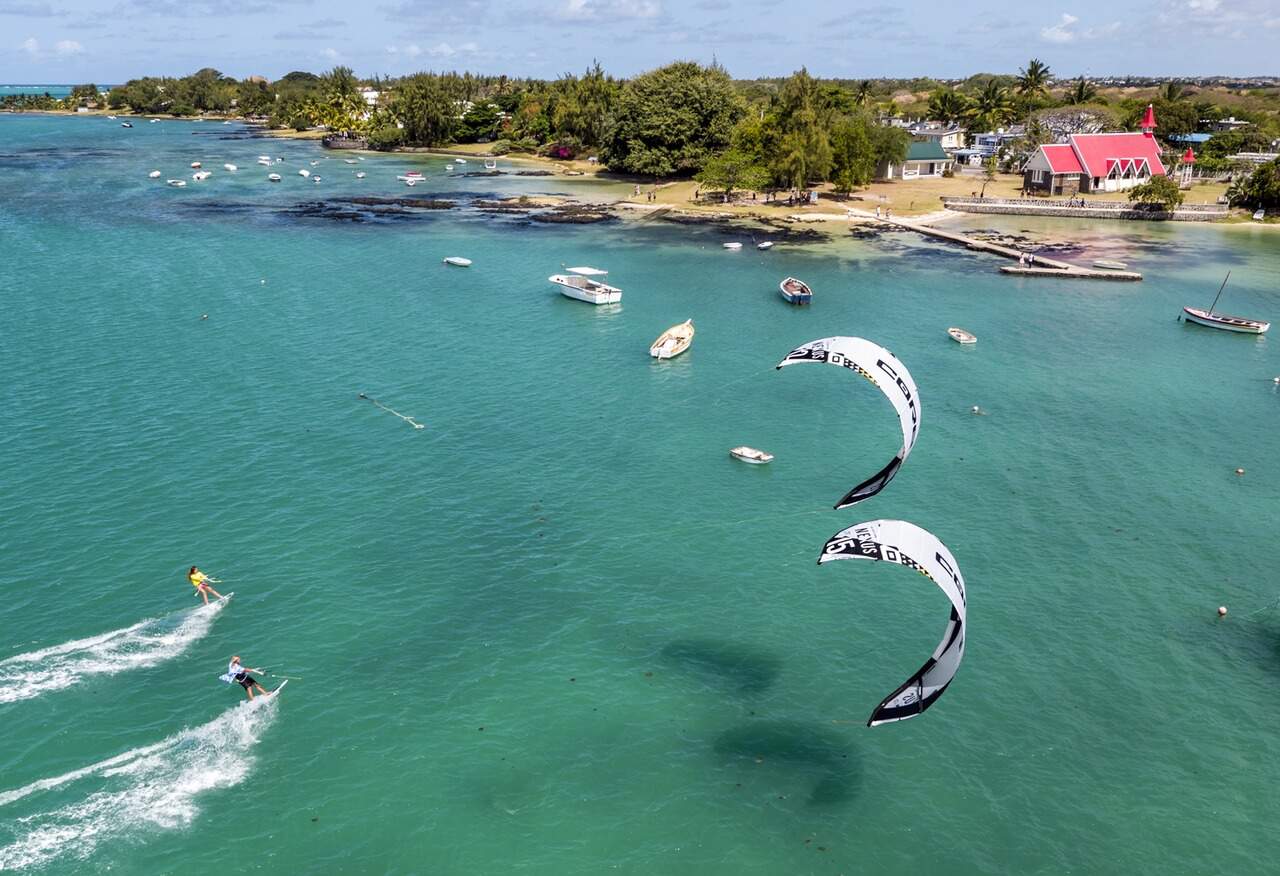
x=746 y=670
x=804 y=746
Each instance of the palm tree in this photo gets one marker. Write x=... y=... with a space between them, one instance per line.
x=1083 y=91
x=1033 y=80
x=862 y=94
x=1171 y=92
x=991 y=108
x=947 y=105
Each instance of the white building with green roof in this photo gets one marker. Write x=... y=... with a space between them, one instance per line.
x=924 y=159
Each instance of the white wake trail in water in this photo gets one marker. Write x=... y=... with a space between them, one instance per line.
x=144 y=644
x=155 y=786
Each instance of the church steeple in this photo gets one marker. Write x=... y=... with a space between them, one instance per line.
x=1149 y=121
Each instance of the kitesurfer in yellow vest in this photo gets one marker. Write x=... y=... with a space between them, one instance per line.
x=200 y=581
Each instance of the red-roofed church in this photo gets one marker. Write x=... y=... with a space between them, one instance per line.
x=1096 y=162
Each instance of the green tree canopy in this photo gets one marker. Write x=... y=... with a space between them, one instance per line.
x=671 y=120
x=1159 y=191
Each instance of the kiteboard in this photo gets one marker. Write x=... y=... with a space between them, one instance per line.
x=280 y=688
x=227 y=596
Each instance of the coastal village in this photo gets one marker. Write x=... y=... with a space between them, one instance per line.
x=798 y=149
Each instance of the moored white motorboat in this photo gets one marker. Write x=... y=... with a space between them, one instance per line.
x=176 y=183
x=732 y=245
x=960 y=336
x=360 y=175
x=458 y=261
x=1110 y=265
x=673 y=341
x=230 y=167
x=316 y=178
x=304 y=172
x=348 y=161
x=195 y=164
x=201 y=175
x=153 y=121
x=112 y=118
x=765 y=244
x=155 y=174
x=751 y=455
x=126 y=124
x=1259 y=214
x=577 y=283
x=1212 y=319
x=412 y=178
x=265 y=162
x=795 y=291
x=273 y=177
x=490 y=164
x=459 y=161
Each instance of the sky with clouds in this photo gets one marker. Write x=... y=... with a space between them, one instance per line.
x=114 y=40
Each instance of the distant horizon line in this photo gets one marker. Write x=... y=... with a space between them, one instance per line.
x=1089 y=76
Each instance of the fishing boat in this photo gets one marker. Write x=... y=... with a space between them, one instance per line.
x=360 y=175
x=459 y=161
x=960 y=336
x=1212 y=319
x=490 y=164
x=795 y=291
x=732 y=245
x=265 y=162
x=201 y=175
x=126 y=124
x=153 y=121
x=230 y=167
x=413 y=177
x=113 y=118
x=1110 y=265
x=458 y=261
x=273 y=177
x=577 y=283
x=765 y=244
x=155 y=174
x=304 y=172
x=176 y=183
x=315 y=178
x=1259 y=214
x=751 y=455
x=673 y=341
x=195 y=164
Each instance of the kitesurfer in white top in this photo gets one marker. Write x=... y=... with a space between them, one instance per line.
x=238 y=674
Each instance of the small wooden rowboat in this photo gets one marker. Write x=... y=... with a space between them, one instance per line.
x=673 y=341
x=751 y=455
x=1213 y=319
x=1200 y=316
x=960 y=336
x=795 y=291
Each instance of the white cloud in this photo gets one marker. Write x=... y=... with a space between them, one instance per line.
x=68 y=47
x=331 y=54
x=1065 y=30
x=1203 y=6
x=412 y=50
x=444 y=50
x=31 y=46
x=1060 y=32
x=603 y=10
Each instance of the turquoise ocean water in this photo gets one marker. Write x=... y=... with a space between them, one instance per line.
x=559 y=630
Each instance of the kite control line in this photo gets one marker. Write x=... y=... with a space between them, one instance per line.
x=379 y=404
x=286 y=677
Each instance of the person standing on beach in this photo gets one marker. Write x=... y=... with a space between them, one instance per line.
x=238 y=674
x=200 y=581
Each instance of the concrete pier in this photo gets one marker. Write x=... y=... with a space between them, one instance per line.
x=1039 y=266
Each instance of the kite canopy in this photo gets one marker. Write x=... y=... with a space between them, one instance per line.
x=905 y=544
x=890 y=376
